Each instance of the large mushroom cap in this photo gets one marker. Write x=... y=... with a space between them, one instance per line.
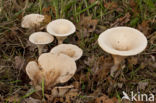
x=61 y=27
x=123 y=41
x=32 y=20
x=61 y=63
x=41 y=38
x=68 y=49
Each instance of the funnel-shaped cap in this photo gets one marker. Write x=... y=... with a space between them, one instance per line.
x=61 y=27
x=41 y=38
x=68 y=49
x=123 y=41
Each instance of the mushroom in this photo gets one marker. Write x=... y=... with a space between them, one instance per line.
x=61 y=28
x=32 y=20
x=68 y=49
x=40 y=39
x=53 y=68
x=122 y=42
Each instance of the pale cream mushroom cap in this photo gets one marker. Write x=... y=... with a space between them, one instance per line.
x=41 y=38
x=32 y=20
x=32 y=69
x=123 y=41
x=61 y=63
x=61 y=27
x=68 y=49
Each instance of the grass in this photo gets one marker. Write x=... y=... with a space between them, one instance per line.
x=13 y=42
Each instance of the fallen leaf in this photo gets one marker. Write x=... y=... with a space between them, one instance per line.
x=132 y=61
x=92 y=1
x=71 y=96
x=132 y=3
x=31 y=100
x=122 y=20
x=2 y=40
x=142 y=85
x=105 y=99
x=144 y=27
x=46 y=10
x=153 y=38
x=19 y=62
x=76 y=84
x=47 y=19
x=61 y=90
x=111 y=5
x=13 y=98
x=103 y=67
x=86 y=26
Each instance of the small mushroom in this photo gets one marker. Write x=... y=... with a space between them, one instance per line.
x=40 y=39
x=61 y=28
x=53 y=68
x=32 y=21
x=122 y=42
x=68 y=49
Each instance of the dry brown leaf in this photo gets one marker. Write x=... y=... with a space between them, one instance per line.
x=13 y=98
x=92 y=1
x=77 y=84
x=153 y=38
x=144 y=27
x=132 y=61
x=111 y=5
x=132 y=3
x=61 y=90
x=71 y=96
x=1 y=98
x=142 y=85
x=46 y=11
x=105 y=99
x=47 y=19
x=19 y=62
x=31 y=100
x=122 y=20
x=2 y=40
x=103 y=64
x=86 y=26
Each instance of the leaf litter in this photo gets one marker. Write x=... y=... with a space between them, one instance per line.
x=92 y=82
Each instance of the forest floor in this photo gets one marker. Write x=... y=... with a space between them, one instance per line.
x=92 y=81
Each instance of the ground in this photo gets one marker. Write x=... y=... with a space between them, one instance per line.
x=92 y=80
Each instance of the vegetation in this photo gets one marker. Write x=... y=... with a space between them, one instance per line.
x=92 y=79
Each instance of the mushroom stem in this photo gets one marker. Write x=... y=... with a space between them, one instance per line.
x=40 y=48
x=117 y=61
x=61 y=39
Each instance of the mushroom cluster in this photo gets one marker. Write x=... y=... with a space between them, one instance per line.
x=58 y=65
x=52 y=68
